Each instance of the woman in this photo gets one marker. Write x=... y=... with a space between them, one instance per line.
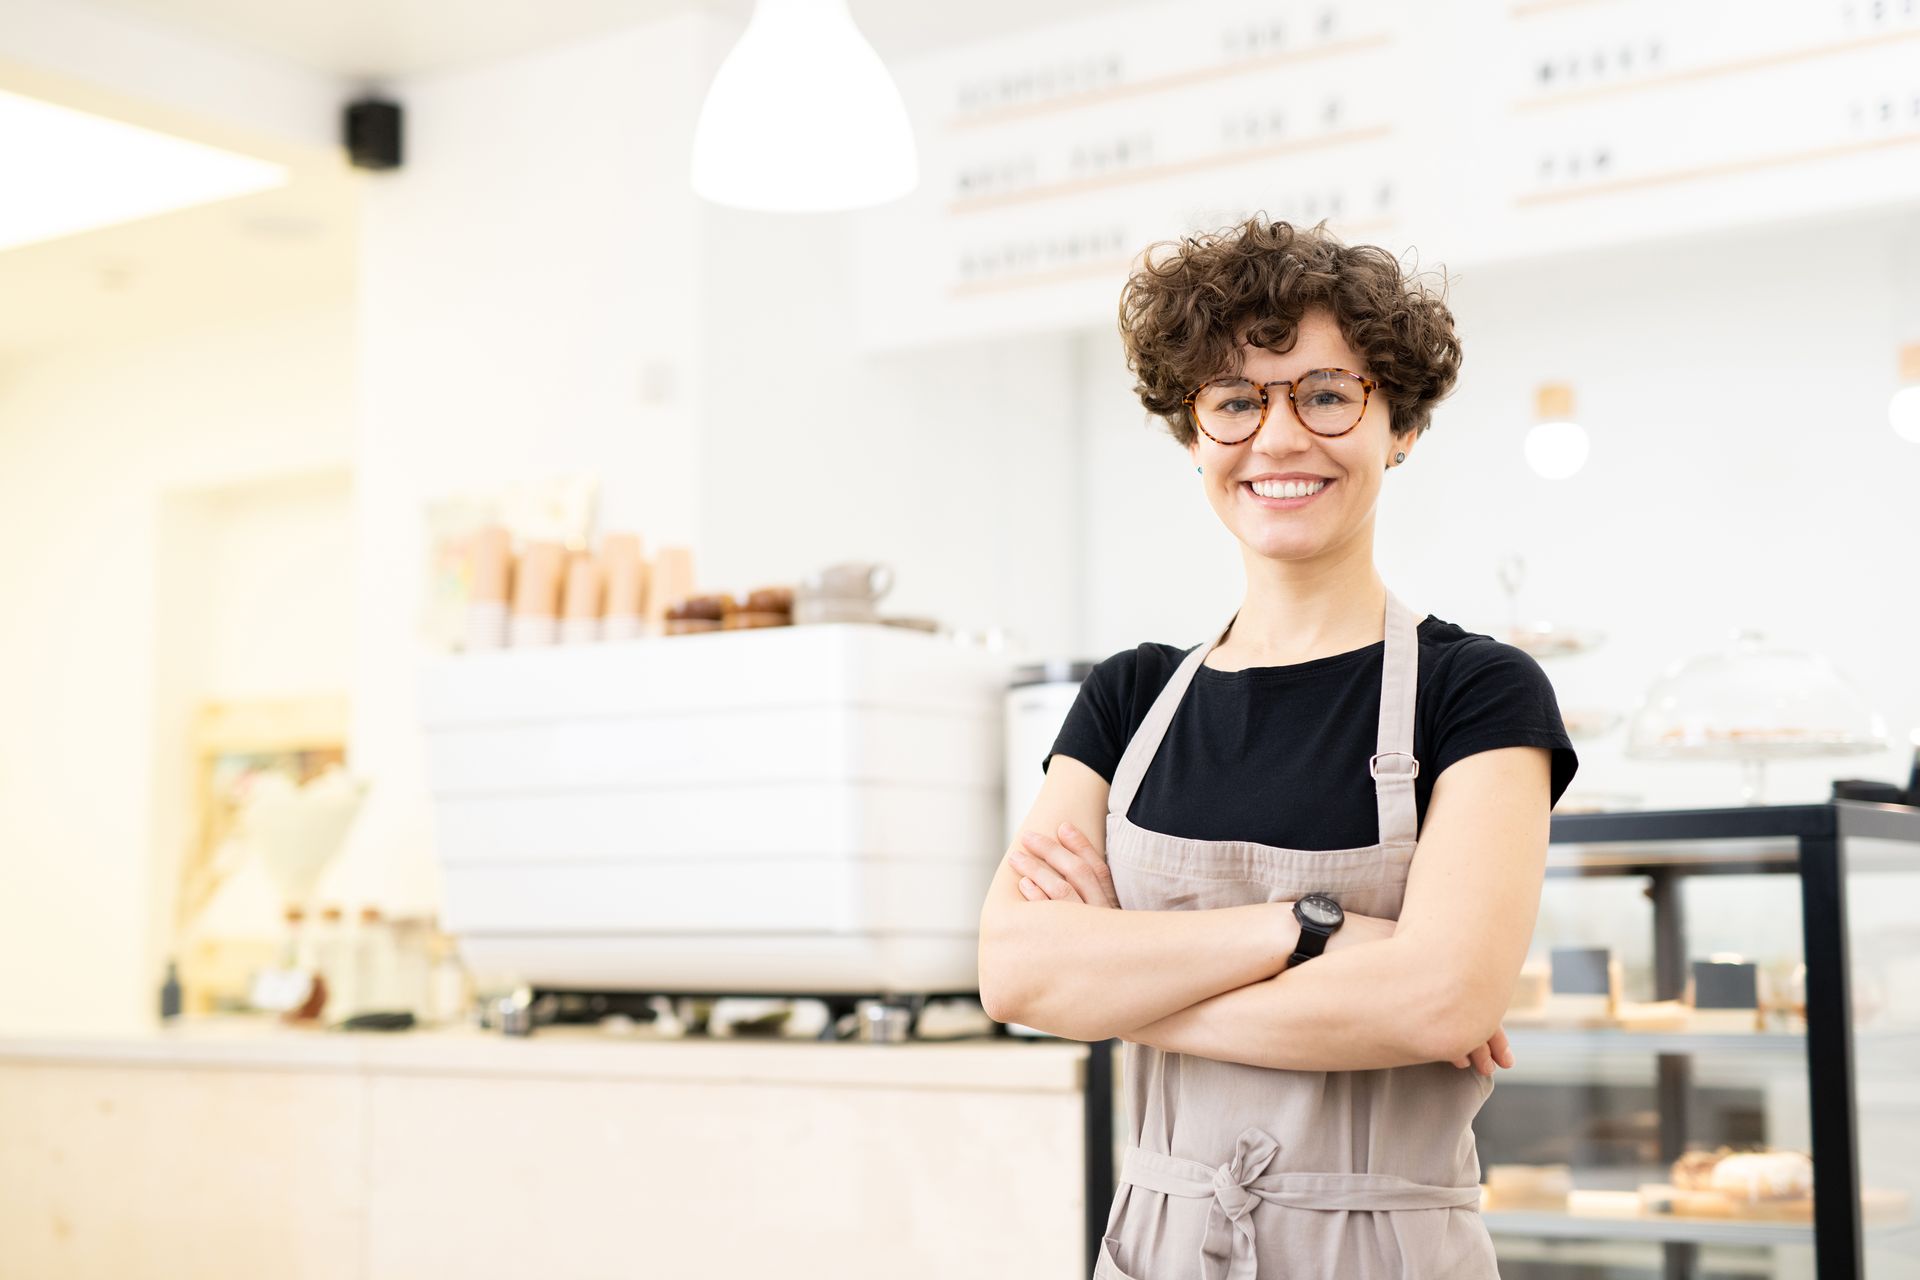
x=1311 y=1012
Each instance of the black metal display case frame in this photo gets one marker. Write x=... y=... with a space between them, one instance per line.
x=1809 y=841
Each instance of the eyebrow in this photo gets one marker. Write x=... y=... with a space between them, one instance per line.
x=1242 y=373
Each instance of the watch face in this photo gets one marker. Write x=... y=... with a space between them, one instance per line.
x=1322 y=911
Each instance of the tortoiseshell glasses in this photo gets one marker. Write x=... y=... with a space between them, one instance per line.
x=1328 y=402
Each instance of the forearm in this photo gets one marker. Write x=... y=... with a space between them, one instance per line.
x=1376 y=1005
x=1090 y=973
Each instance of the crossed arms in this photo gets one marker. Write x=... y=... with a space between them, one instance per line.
x=1430 y=987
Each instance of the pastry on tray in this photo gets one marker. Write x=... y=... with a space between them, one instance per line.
x=1725 y=1183
x=1765 y=1175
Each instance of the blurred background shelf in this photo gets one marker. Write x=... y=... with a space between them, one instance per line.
x=1663 y=1229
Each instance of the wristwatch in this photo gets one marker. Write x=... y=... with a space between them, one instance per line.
x=1320 y=918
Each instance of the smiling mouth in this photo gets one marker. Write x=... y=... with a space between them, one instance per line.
x=1285 y=492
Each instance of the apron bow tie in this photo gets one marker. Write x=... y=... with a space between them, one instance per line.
x=1227 y=1251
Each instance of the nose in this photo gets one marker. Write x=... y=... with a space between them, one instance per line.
x=1283 y=433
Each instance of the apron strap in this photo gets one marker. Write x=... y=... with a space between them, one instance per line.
x=1394 y=767
x=1146 y=739
x=1245 y=1174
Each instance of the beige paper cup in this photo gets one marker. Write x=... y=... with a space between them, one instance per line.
x=536 y=581
x=492 y=556
x=671 y=580
x=581 y=596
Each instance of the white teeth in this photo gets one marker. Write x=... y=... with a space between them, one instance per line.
x=1286 y=488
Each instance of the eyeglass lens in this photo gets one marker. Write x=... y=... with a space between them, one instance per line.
x=1329 y=402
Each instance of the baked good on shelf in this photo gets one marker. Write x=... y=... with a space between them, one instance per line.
x=1693 y=1171
x=1728 y=1183
x=1527 y=1186
x=699 y=613
x=1764 y=1175
x=770 y=600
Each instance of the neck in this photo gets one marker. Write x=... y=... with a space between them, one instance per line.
x=1295 y=612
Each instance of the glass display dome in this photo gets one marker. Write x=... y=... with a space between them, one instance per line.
x=1753 y=702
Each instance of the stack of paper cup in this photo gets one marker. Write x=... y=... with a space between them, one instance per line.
x=626 y=582
x=492 y=554
x=536 y=595
x=580 y=600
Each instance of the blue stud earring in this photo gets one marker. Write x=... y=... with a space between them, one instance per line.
x=1196 y=470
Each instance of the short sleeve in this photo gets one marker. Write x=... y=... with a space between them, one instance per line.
x=1495 y=695
x=1096 y=728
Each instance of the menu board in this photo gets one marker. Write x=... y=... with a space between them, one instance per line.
x=1450 y=133
x=1049 y=159
x=1624 y=121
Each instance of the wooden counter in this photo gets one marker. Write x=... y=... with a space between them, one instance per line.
x=245 y=1150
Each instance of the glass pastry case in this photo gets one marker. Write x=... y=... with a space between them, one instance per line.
x=1690 y=1097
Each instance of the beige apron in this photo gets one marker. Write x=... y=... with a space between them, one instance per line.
x=1236 y=1171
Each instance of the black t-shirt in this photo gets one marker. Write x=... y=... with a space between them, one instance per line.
x=1279 y=755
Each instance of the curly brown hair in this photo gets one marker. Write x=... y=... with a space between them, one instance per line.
x=1183 y=315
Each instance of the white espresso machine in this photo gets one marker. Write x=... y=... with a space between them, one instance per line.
x=775 y=811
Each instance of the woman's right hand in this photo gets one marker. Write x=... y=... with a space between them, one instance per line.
x=1494 y=1053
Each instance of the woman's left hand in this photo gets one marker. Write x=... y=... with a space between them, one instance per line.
x=1495 y=1052
x=1063 y=869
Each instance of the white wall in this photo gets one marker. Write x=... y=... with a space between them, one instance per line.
x=954 y=464
x=92 y=443
x=1744 y=473
x=283 y=588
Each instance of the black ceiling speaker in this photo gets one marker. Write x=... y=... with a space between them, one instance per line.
x=373 y=133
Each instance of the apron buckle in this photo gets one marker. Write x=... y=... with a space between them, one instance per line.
x=1373 y=763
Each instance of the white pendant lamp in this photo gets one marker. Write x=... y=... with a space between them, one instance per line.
x=1556 y=446
x=1903 y=411
x=802 y=117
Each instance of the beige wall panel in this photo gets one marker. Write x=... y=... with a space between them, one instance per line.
x=483 y=1178
x=124 y=1173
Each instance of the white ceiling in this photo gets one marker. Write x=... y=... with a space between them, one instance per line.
x=291 y=247
x=385 y=39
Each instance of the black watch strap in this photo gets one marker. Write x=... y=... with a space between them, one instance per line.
x=1312 y=943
